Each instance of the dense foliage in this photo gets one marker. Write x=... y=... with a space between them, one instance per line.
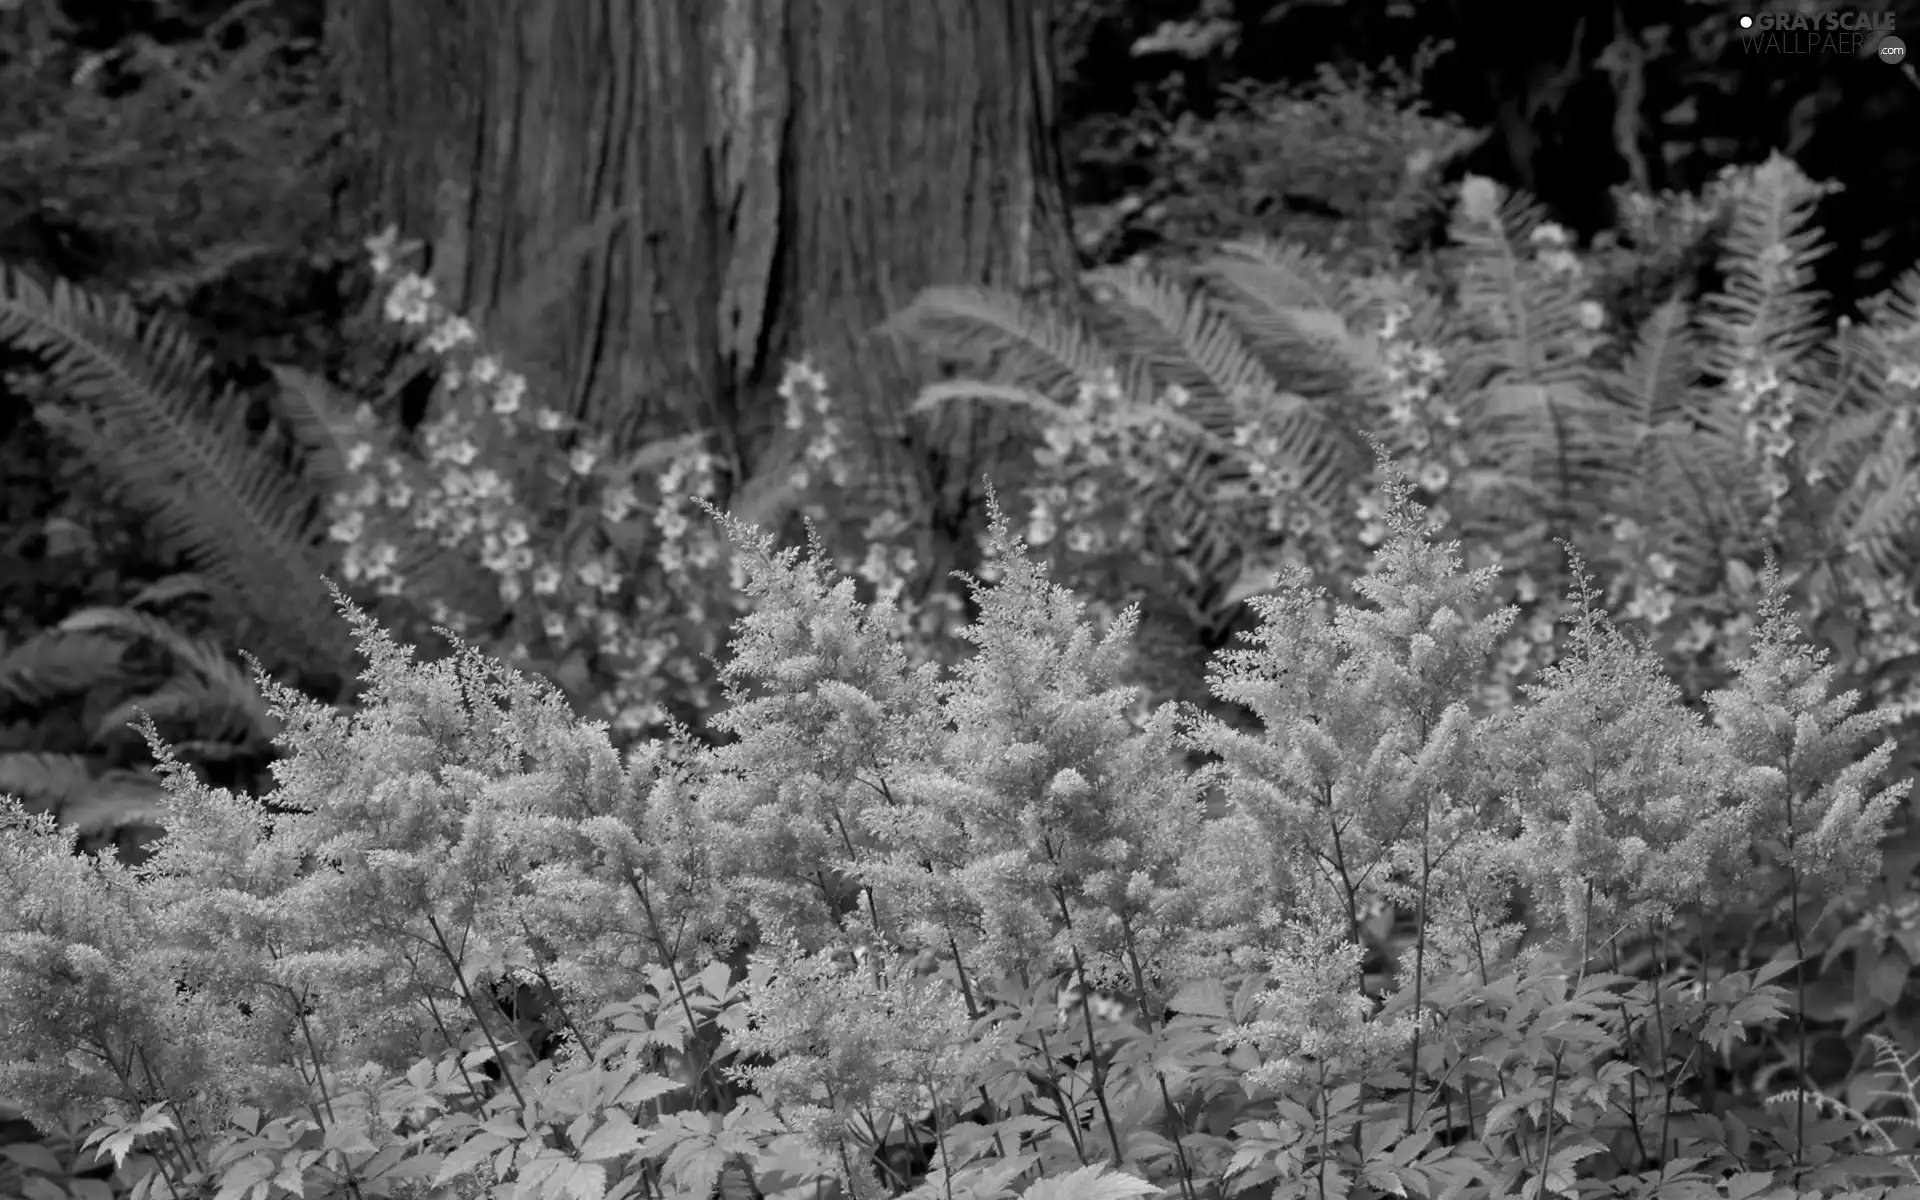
x=914 y=861
x=1553 y=859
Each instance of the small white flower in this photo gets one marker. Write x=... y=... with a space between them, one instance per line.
x=507 y=396
x=802 y=385
x=456 y=330
x=348 y=528
x=410 y=301
x=1592 y=316
x=381 y=248
x=548 y=420
x=581 y=460
x=618 y=504
x=359 y=455
x=546 y=580
x=485 y=369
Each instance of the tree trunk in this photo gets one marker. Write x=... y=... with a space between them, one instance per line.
x=651 y=205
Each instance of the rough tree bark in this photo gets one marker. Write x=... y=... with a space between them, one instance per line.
x=654 y=203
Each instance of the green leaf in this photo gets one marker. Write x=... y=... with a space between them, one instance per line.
x=1887 y=978
x=1091 y=1182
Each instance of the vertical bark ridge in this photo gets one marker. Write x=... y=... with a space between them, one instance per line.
x=662 y=202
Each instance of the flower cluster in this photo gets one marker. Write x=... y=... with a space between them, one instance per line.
x=609 y=575
x=1089 y=438
x=1421 y=419
x=1006 y=825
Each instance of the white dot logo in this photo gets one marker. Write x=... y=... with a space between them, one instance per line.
x=1746 y=22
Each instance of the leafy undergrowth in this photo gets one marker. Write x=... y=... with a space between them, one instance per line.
x=1380 y=942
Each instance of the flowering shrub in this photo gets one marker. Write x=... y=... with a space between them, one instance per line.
x=1532 y=389
x=829 y=955
x=595 y=563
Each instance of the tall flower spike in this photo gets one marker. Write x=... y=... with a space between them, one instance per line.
x=1797 y=748
x=1615 y=784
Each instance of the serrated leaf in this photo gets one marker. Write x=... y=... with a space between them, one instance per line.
x=1091 y=1182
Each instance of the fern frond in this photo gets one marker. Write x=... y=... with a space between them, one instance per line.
x=1699 y=491
x=164 y=592
x=1031 y=346
x=1299 y=317
x=54 y=665
x=1051 y=362
x=1892 y=319
x=1667 y=458
x=1876 y=512
x=191 y=710
x=209 y=689
x=44 y=782
x=133 y=399
x=1177 y=333
x=1656 y=385
x=322 y=420
x=1768 y=312
x=65 y=786
x=1186 y=341
x=1523 y=318
x=1524 y=380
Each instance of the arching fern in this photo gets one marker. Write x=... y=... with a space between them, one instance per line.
x=132 y=393
x=1689 y=431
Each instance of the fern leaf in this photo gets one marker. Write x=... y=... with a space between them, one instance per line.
x=1875 y=514
x=1893 y=320
x=162 y=593
x=323 y=421
x=54 y=665
x=1295 y=314
x=1037 y=348
x=1656 y=383
x=65 y=786
x=210 y=690
x=89 y=805
x=1524 y=317
x=1183 y=340
x=1186 y=341
x=1767 y=313
x=133 y=399
x=44 y=782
